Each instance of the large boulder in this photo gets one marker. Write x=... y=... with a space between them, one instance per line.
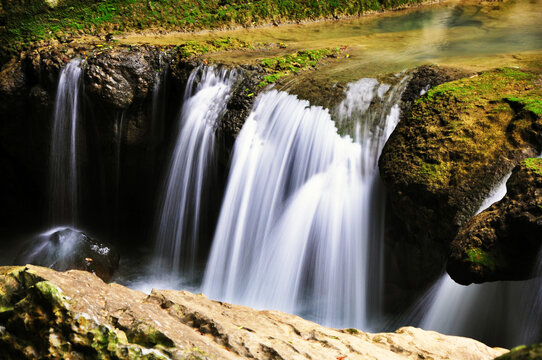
x=46 y=314
x=64 y=248
x=450 y=149
x=502 y=243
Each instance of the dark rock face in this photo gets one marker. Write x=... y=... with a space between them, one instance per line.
x=68 y=249
x=131 y=99
x=122 y=77
x=449 y=150
x=502 y=242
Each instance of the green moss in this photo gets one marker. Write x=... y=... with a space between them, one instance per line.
x=534 y=164
x=53 y=294
x=480 y=257
x=435 y=173
x=191 y=48
x=523 y=352
x=352 y=331
x=281 y=66
x=531 y=102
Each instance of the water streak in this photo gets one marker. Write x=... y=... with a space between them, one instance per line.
x=294 y=228
x=64 y=188
x=183 y=199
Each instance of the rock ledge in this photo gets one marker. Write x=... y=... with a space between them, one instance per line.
x=48 y=314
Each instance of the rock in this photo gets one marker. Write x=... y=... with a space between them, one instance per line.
x=532 y=352
x=122 y=76
x=502 y=242
x=64 y=249
x=426 y=77
x=450 y=149
x=46 y=314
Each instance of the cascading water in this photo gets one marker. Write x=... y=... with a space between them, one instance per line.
x=64 y=148
x=295 y=225
x=190 y=172
x=495 y=313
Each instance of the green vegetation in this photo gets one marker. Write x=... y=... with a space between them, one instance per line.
x=472 y=117
x=480 y=257
x=530 y=103
x=437 y=172
x=523 y=352
x=191 y=48
x=352 y=331
x=23 y=22
x=491 y=84
x=281 y=66
x=534 y=164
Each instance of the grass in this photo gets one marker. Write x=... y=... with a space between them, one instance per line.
x=25 y=22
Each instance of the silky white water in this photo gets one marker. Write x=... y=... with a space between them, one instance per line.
x=191 y=165
x=297 y=216
x=505 y=312
x=63 y=159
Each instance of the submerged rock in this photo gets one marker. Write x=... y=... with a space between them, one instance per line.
x=456 y=142
x=502 y=242
x=64 y=249
x=44 y=313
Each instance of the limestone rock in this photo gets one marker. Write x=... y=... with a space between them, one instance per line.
x=502 y=242
x=74 y=314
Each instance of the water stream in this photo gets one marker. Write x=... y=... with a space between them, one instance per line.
x=301 y=207
x=185 y=197
x=65 y=146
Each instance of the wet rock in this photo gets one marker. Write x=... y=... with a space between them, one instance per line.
x=65 y=249
x=122 y=76
x=502 y=242
x=46 y=314
x=449 y=150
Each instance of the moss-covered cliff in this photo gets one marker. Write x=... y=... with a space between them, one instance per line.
x=456 y=142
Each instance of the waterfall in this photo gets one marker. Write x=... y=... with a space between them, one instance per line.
x=190 y=172
x=296 y=220
x=495 y=313
x=63 y=162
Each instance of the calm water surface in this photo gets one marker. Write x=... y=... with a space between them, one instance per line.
x=451 y=32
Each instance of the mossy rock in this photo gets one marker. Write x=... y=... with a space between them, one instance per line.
x=453 y=145
x=502 y=242
x=37 y=321
x=532 y=352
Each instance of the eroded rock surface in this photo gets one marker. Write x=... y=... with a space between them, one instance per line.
x=44 y=313
x=502 y=242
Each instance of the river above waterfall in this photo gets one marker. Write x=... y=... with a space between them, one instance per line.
x=482 y=34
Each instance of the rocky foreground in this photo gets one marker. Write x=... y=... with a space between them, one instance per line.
x=75 y=315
